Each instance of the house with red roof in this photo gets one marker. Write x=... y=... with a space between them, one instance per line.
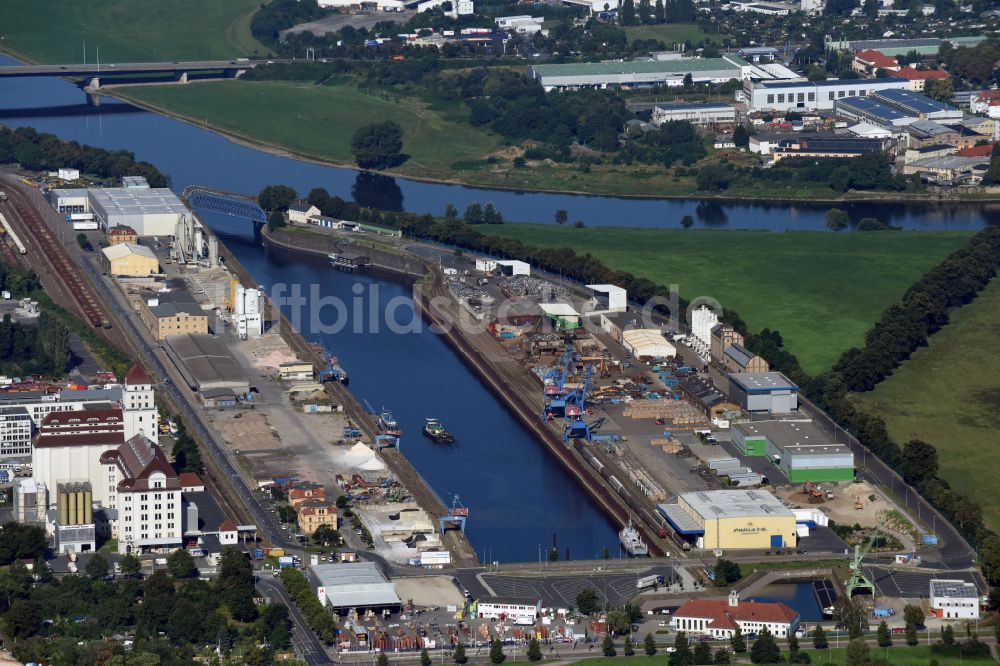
x=870 y=61
x=719 y=618
x=986 y=103
x=918 y=78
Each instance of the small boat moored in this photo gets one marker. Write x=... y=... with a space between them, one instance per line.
x=631 y=541
x=436 y=431
x=388 y=423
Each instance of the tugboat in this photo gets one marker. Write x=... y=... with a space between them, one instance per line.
x=387 y=422
x=436 y=431
x=631 y=541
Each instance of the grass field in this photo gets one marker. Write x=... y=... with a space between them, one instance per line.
x=129 y=30
x=918 y=655
x=947 y=394
x=668 y=33
x=319 y=121
x=821 y=290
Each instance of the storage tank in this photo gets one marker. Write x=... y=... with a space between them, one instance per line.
x=63 y=508
x=88 y=507
x=71 y=517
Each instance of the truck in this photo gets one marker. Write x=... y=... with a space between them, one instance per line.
x=648 y=581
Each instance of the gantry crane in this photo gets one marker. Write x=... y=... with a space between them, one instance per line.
x=576 y=427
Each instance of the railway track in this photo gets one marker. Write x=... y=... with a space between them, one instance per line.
x=39 y=240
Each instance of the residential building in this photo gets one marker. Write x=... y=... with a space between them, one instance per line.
x=638 y=73
x=737 y=358
x=172 y=312
x=315 y=512
x=15 y=432
x=954 y=599
x=129 y=260
x=731 y=519
x=763 y=392
x=918 y=78
x=509 y=608
x=781 y=96
x=300 y=212
x=708 y=113
x=870 y=61
x=305 y=490
x=122 y=234
x=828 y=147
x=147 y=497
x=986 y=103
x=719 y=618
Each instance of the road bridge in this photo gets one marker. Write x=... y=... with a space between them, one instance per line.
x=109 y=69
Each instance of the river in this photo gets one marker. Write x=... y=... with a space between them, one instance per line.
x=191 y=155
x=519 y=498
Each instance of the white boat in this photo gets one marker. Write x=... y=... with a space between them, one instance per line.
x=631 y=541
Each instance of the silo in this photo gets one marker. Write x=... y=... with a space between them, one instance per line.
x=88 y=506
x=71 y=518
x=63 y=506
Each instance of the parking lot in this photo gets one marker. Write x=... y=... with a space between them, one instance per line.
x=914 y=584
x=561 y=591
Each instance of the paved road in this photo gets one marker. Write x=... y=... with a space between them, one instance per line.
x=95 y=69
x=304 y=641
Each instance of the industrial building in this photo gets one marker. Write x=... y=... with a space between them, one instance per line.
x=703 y=320
x=248 y=317
x=608 y=298
x=797 y=447
x=72 y=200
x=638 y=73
x=925 y=46
x=129 y=260
x=207 y=365
x=737 y=358
x=763 y=392
x=720 y=618
x=721 y=337
x=780 y=96
x=954 y=600
x=827 y=147
x=868 y=109
x=647 y=343
x=509 y=608
x=354 y=585
x=150 y=211
x=714 y=403
x=513 y=267
x=173 y=312
x=918 y=105
x=562 y=315
x=15 y=432
x=949 y=169
x=708 y=113
x=732 y=519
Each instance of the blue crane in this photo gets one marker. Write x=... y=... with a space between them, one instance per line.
x=555 y=407
x=576 y=427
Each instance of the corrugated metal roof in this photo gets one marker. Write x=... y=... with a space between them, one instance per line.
x=680 y=66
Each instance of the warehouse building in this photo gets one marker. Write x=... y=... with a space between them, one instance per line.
x=562 y=315
x=870 y=110
x=353 y=585
x=925 y=46
x=513 y=267
x=151 y=211
x=129 y=260
x=915 y=104
x=607 y=298
x=834 y=147
x=797 y=447
x=811 y=95
x=731 y=519
x=638 y=73
x=708 y=113
x=647 y=343
x=206 y=364
x=74 y=200
x=763 y=392
x=173 y=312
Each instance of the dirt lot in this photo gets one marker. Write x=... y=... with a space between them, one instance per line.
x=428 y=590
x=335 y=22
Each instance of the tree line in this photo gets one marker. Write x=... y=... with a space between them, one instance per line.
x=28 y=349
x=46 y=152
x=70 y=619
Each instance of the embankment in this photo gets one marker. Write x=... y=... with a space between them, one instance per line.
x=321 y=244
x=404 y=472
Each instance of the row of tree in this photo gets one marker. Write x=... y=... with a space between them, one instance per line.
x=318 y=617
x=70 y=619
x=40 y=348
x=46 y=152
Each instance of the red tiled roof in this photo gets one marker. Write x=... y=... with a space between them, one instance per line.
x=136 y=375
x=977 y=151
x=121 y=230
x=227 y=526
x=190 y=479
x=85 y=427
x=877 y=59
x=83 y=417
x=918 y=74
x=988 y=94
x=719 y=611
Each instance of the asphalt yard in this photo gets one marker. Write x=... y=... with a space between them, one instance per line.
x=561 y=591
x=913 y=584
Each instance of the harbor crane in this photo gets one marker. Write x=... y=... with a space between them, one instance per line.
x=858 y=580
x=576 y=427
x=457 y=515
x=556 y=405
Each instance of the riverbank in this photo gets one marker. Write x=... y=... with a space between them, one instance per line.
x=403 y=471
x=470 y=159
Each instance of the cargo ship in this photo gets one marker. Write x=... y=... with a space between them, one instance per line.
x=436 y=431
x=388 y=423
x=631 y=541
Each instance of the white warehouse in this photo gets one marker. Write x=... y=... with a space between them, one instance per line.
x=608 y=298
x=812 y=95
